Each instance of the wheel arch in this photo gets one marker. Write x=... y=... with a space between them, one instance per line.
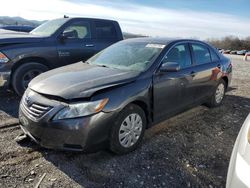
x=40 y=60
x=144 y=106
x=225 y=78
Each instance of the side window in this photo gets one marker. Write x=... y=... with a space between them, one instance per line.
x=180 y=54
x=214 y=56
x=105 y=29
x=201 y=54
x=80 y=30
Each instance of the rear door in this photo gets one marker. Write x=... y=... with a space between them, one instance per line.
x=207 y=68
x=174 y=91
x=80 y=46
x=106 y=34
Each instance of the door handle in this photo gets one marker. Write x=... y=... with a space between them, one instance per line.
x=89 y=45
x=193 y=74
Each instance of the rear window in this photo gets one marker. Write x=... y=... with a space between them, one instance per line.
x=105 y=30
x=201 y=54
x=214 y=56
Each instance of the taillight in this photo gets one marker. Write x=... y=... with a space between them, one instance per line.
x=230 y=66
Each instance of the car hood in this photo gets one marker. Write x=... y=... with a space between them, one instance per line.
x=10 y=37
x=79 y=80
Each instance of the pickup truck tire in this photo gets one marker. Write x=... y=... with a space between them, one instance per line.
x=128 y=130
x=24 y=74
x=218 y=95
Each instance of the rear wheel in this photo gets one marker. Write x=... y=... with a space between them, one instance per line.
x=128 y=130
x=218 y=95
x=24 y=74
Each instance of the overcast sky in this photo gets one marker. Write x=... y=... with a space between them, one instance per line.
x=170 y=18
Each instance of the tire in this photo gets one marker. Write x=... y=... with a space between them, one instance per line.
x=214 y=101
x=118 y=145
x=24 y=74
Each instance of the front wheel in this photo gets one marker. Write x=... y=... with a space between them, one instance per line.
x=127 y=132
x=24 y=74
x=218 y=95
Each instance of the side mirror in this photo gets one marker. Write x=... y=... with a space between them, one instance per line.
x=170 y=67
x=67 y=34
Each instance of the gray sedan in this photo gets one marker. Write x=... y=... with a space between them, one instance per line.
x=123 y=90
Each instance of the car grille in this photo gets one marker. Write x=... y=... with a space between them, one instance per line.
x=35 y=110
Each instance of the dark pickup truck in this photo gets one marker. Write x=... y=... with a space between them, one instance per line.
x=53 y=44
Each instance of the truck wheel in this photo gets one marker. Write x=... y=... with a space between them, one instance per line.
x=218 y=95
x=24 y=74
x=128 y=130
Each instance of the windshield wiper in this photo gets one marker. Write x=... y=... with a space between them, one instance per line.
x=100 y=65
x=87 y=62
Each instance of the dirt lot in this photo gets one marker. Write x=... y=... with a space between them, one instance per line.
x=190 y=150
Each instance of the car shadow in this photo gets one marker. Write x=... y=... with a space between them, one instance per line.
x=9 y=103
x=190 y=149
x=231 y=89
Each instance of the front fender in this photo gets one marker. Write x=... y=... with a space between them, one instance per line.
x=121 y=96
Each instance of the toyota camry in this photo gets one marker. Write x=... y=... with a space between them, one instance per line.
x=109 y=100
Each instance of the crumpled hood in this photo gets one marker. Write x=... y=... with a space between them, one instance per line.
x=79 y=80
x=10 y=37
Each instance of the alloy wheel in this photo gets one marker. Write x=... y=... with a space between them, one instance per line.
x=130 y=130
x=219 y=94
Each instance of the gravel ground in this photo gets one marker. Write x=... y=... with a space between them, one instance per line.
x=190 y=150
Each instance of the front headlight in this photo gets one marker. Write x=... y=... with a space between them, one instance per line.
x=3 y=58
x=81 y=109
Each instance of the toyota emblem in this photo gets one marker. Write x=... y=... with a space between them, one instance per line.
x=28 y=101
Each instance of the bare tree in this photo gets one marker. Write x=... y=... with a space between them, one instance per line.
x=231 y=43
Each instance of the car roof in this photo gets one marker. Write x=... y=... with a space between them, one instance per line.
x=161 y=40
x=94 y=19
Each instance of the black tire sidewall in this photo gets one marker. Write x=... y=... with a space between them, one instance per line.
x=20 y=71
x=115 y=145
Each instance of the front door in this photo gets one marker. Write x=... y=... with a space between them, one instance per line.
x=173 y=91
x=78 y=46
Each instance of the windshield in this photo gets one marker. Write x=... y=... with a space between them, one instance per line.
x=133 y=56
x=49 y=27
